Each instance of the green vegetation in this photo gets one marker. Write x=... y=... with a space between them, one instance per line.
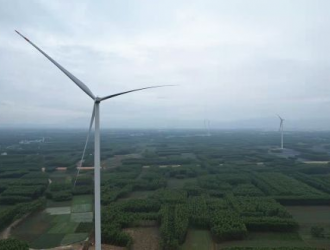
x=13 y=244
x=197 y=239
x=231 y=189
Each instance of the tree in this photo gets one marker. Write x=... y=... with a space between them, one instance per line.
x=317 y=232
x=13 y=244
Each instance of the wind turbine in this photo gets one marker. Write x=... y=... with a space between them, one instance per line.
x=95 y=116
x=281 y=130
x=207 y=127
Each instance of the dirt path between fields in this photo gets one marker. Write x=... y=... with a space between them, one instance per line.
x=5 y=234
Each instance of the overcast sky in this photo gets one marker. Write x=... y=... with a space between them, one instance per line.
x=236 y=62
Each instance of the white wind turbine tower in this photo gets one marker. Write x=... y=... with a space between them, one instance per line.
x=95 y=116
x=281 y=130
x=207 y=127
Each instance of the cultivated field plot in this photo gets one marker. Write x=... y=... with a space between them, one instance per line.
x=179 y=183
x=82 y=204
x=144 y=238
x=58 y=210
x=58 y=225
x=311 y=216
x=197 y=239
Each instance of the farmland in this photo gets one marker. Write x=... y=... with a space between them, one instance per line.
x=169 y=189
x=58 y=224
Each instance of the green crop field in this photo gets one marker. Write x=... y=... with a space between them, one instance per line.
x=82 y=199
x=58 y=210
x=179 y=183
x=82 y=217
x=198 y=239
x=81 y=208
x=47 y=241
x=57 y=224
x=73 y=238
x=63 y=227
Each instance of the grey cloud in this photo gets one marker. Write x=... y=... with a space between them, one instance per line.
x=233 y=60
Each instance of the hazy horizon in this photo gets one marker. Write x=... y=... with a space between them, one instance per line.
x=266 y=124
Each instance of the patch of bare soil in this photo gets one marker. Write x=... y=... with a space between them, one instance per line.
x=144 y=238
x=108 y=247
x=70 y=247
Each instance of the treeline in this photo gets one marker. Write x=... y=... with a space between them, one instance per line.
x=174 y=225
x=13 y=174
x=289 y=191
x=273 y=224
x=125 y=214
x=120 y=184
x=13 y=244
x=60 y=191
x=25 y=188
x=227 y=225
x=258 y=207
x=64 y=191
x=314 y=181
x=263 y=214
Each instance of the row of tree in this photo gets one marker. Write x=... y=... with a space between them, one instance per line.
x=13 y=244
x=174 y=225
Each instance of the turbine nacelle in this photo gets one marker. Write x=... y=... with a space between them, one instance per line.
x=281 y=122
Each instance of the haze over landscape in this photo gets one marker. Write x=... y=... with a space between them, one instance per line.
x=237 y=63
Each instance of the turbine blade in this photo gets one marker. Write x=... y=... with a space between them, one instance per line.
x=280 y=117
x=79 y=83
x=87 y=139
x=126 y=92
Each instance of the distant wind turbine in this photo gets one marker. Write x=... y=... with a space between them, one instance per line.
x=281 y=130
x=95 y=116
x=207 y=127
